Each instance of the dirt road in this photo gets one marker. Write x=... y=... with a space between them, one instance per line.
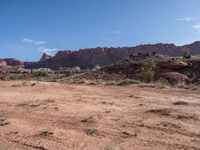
x=53 y=116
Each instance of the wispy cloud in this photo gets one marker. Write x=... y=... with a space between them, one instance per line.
x=111 y=36
x=26 y=40
x=188 y=18
x=117 y=32
x=184 y=19
x=197 y=26
x=49 y=51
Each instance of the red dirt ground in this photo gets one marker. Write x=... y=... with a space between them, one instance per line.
x=54 y=116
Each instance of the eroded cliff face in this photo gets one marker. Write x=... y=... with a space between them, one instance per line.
x=45 y=57
x=3 y=63
x=88 y=58
x=12 y=62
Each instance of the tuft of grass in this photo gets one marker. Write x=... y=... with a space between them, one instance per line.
x=162 y=111
x=110 y=83
x=91 y=131
x=185 y=117
x=3 y=122
x=182 y=85
x=36 y=103
x=81 y=82
x=187 y=86
x=163 y=82
x=93 y=83
x=144 y=85
x=112 y=147
x=45 y=132
x=128 y=82
x=180 y=103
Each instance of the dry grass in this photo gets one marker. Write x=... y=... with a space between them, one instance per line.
x=128 y=82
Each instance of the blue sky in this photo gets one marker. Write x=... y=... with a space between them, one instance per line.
x=30 y=27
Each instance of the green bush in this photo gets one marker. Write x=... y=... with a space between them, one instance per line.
x=163 y=81
x=3 y=77
x=185 y=53
x=69 y=73
x=40 y=74
x=148 y=70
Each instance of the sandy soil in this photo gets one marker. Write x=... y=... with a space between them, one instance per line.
x=53 y=116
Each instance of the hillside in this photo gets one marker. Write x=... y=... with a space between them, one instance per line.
x=89 y=58
x=173 y=69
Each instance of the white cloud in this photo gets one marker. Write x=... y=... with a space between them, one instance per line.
x=111 y=35
x=49 y=51
x=117 y=32
x=197 y=26
x=184 y=19
x=26 y=40
x=188 y=19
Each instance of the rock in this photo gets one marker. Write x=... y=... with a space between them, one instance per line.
x=3 y=122
x=3 y=63
x=91 y=57
x=173 y=64
x=45 y=57
x=175 y=77
x=13 y=62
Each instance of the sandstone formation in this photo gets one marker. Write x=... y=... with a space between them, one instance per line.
x=175 y=70
x=3 y=63
x=89 y=58
x=45 y=57
x=175 y=77
x=12 y=62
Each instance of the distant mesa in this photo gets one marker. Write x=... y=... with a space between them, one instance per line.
x=11 y=62
x=91 y=57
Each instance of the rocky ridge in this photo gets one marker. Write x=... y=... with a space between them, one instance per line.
x=173 y=69
x=91 y=57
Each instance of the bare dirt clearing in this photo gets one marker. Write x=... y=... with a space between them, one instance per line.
x=41 y=115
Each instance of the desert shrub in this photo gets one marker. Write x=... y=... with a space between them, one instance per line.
x=128 y=82
x=196 y=57
x=69 y=73
x=3 y=77
x=4 y=122
x=93 y=83
x=182 y=85
x=148 y=70
x=41 y=74
x=110 y=83
x=163 y=81
x=149 y=85
x=80 y=81
x=185 y=52
x=187 y=86
x=97 y=67
x=14 y=77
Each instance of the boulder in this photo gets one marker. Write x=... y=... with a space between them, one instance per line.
x=175 y=77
